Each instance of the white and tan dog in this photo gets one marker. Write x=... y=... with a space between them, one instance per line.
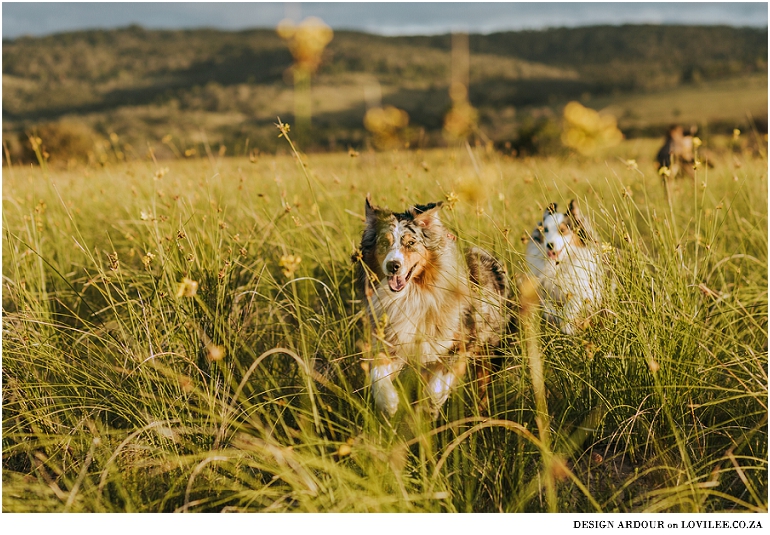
x=429 y=305
x=564 y=256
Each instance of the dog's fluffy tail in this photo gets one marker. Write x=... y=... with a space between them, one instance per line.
x=487 y=272
x=491 y=291
x=488 y=318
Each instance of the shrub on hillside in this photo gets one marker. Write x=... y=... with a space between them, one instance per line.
x=59 y=143
x=538 y=135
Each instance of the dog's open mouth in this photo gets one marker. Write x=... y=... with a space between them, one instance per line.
x=398 y=283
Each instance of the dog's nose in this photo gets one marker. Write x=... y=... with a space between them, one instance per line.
x=393 y=266
x=549 y=246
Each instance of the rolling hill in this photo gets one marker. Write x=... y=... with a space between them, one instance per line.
x=226 y=87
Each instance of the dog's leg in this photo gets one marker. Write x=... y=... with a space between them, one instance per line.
x=571 y=314
x=441 y=378
x=384 y=392
x=551 y=314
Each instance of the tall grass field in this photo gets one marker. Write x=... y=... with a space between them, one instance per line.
x=185 y=336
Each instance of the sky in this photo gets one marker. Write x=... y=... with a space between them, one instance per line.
x=387 y=18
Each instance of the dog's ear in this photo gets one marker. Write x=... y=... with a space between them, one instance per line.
x=574 y=210
x=550 y=210
x=426 y=215
x=537 y=235
x=371 y=210
x=580 y=224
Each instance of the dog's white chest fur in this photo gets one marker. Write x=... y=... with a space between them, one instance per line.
x=420 y=325
x=579 y=275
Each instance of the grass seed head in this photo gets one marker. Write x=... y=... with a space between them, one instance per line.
x=114 y=263
x=187 y=288
x=185 y=383
x=215 y=352
x=290 y=264
x=284 y=128
x=147 y=259
x=451 y=199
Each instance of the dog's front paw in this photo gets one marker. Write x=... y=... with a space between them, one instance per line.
x=385 y=396
x=573 y=326
x=384 y=392
x=387 y=401
x=440 y=384
x=568 y=328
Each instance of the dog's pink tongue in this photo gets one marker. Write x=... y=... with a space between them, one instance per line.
x=396 y=283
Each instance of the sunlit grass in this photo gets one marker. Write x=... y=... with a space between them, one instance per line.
x=185 y=337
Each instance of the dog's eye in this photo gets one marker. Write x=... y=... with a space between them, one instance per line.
x=547 y=230
x=563 y=229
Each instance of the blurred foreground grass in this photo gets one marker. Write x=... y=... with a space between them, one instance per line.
x=184 y=337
